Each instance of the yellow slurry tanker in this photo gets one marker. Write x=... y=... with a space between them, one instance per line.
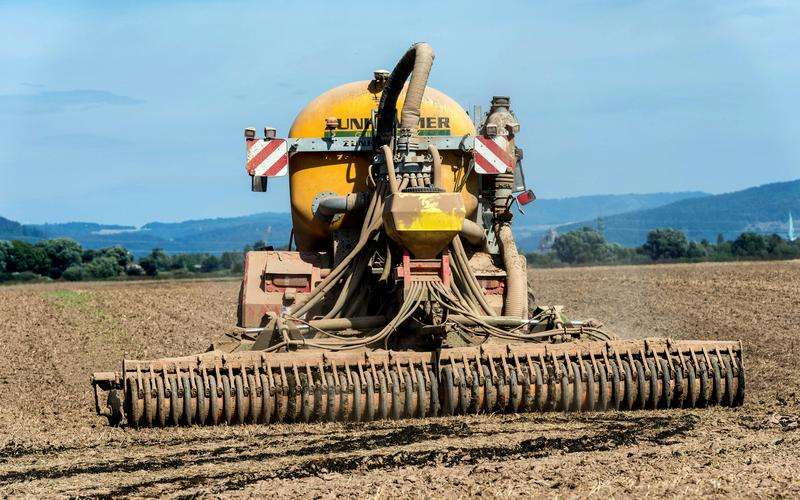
x=403 y=293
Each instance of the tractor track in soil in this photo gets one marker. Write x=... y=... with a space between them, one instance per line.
x=55 y=335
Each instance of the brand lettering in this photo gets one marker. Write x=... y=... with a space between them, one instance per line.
x=425 y=122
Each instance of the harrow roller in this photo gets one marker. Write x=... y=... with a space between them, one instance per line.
x=262 y=388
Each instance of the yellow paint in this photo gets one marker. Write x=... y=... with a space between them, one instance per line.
x=313 y=173
x=424 y=223
x=431 y=217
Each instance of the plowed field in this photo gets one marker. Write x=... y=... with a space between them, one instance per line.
x=55 y=335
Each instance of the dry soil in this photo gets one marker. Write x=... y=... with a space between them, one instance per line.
x=55 y=335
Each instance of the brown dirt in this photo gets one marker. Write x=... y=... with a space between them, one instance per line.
x=52 y=444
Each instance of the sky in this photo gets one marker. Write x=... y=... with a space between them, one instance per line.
x=131 y=112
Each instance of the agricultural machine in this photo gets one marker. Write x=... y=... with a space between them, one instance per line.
x=403 y=293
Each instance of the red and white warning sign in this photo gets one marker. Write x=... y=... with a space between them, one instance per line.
x=267 y=157
x=491 y=156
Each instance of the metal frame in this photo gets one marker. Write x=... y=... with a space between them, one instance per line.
x=364 y=144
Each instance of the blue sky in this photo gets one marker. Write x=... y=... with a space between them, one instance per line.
x=133 y=112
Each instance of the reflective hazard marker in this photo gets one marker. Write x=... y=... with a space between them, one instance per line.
x=491 y=157
x=267 y=157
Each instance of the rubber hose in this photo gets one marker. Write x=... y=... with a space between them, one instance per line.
x=469 y=277
x=390 y=172
x=516 y=279
x=472 y=232
x=417 y=63
x=436 y=167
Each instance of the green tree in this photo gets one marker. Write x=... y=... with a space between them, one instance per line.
x=230 y=259
x=119 y=253
x=666 y=243
x=749 y=244
x=75 y=272
x=697 y=250
x=23 y=257
x=149 y=265
x=102 y=268
x=779 y=248
x=62 y=253
x=210 y=263
x=156 y=261
x=5 y=249
x=581 y=246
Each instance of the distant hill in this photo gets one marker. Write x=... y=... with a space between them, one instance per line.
x=627 y=218
x=233 y=233
x=763 y=209
x=11 y=230
x=545 y=213
x=204 y=235
x=550 y=212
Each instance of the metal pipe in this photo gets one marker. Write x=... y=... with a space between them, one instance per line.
x=499 y=321
x=334 y=324
x=332 y=205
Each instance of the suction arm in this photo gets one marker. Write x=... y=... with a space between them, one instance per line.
x=416 y=63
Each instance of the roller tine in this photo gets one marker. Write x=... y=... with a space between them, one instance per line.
x=386 y=372
x=139 y=383
x=296 y=377
x=645 y=364
x=284 y=380
x=504 y=364
x=217 y=376
x=425 y=375
x=530 y=367
x=707 y=358
x=556 y=367
x=467 y=371
x=594 y=361
x=694 y=359
x=456 y=378
x=308 y=374
x=634 y=372
x=335 y=373
x=257 y=377
x=372 y=369
x=545 y=371
x=192 y=385
x=719 y=359
x=480 y=369
x=515 y=359
x=399 y=373
x=492 y=369
x=361 y=379
x=681 y=359
x=619 y=359
x=322 y=376
x=348 y=376
x=734 y=364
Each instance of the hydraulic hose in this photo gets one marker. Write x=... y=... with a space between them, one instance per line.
x=416 y=63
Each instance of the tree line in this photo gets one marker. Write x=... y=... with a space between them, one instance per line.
x=588 y=246
x=64 y=258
